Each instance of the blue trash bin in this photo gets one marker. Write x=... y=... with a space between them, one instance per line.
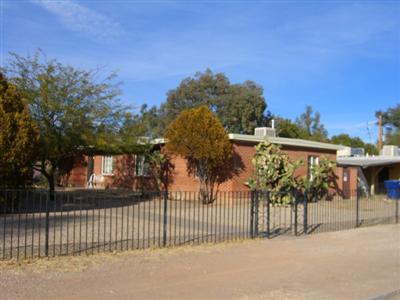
x=393 y=189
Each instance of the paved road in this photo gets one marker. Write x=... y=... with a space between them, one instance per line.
x=354 y=264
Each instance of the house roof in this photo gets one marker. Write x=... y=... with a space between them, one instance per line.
x=274 y=140
x=368 y=161
x=285 y=141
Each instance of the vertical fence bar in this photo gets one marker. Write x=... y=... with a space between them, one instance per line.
x=54 y=225
x=132 y=235
x=357 y=207
x=5 y=224
x=68 y=200
x=61 y=221
x=33 y=223
x=165 y=218
x=294 y=199
x=268 y=215
x=73 y=201
x=397 y=210
x=138 y=223
x=19 y=198
x=46 y=245
x=305 y=217
x=26 y=223
x=256 y=209
x=252 y=214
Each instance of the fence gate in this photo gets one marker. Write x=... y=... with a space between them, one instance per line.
x=278 y=214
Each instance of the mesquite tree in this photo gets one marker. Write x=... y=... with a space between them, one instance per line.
x=72 y=110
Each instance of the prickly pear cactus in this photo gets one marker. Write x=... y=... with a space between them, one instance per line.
x=321 y=179
x=274 y=172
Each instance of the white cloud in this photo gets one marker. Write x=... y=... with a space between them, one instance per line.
x=83 y=20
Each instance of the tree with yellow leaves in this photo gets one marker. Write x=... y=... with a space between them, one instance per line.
x=198 y=136
x=18 y=137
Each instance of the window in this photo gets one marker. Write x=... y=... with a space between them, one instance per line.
x=107 y=165
x=141 y=166
x=312 y=161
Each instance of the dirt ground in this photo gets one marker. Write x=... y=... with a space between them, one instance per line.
x=354 y=264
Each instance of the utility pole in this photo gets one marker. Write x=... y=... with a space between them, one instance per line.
x=380 y=143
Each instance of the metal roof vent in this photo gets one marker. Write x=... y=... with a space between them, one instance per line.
x=351 y=152
x=390 y=150
x=263 y=132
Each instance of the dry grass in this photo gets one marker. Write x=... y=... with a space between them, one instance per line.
x=73 y=264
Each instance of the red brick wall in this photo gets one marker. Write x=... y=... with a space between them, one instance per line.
x=123 y=175
x=78 y=175
x=245 y=151
x=124 y=170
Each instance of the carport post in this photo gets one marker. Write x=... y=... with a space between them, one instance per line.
x=165 y=218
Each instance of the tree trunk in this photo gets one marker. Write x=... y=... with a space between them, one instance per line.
x=51 y=181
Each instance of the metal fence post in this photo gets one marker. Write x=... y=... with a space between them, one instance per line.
x=397 y=211
x=295 y=213
x=47 y=227
x=165 y=218
x=268 y=216
x=305 y=216
x=357 y=207
x=252 y=214
x=256 y=205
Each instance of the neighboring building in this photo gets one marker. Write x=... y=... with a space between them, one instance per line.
x=372 y=171
x=122 y=171
x=131 y=171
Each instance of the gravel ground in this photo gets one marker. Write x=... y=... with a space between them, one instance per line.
x=354 y=264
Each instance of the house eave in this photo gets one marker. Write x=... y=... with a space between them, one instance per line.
x=285 y=142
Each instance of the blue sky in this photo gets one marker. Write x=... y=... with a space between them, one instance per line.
x=341 y=57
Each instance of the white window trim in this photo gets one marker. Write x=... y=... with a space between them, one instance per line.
x=140 y=170
x=313 y=160
x=102 y=165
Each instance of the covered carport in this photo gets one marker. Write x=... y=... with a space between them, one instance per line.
x=373 y=170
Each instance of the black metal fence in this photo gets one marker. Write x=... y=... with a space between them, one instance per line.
x=32 y=224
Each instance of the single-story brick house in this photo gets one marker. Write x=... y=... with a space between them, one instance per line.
x=129 y=171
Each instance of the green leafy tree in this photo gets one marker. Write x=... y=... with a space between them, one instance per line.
x=346 y=140
x=200 y=138
x=239 y=107
x=391 y=122
x=274 y=171
x=310 y=123
x=73 y=112
x=355 y=142
x=18 y=137
x=287 y=128
x=152 y=121
x=371 y=149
